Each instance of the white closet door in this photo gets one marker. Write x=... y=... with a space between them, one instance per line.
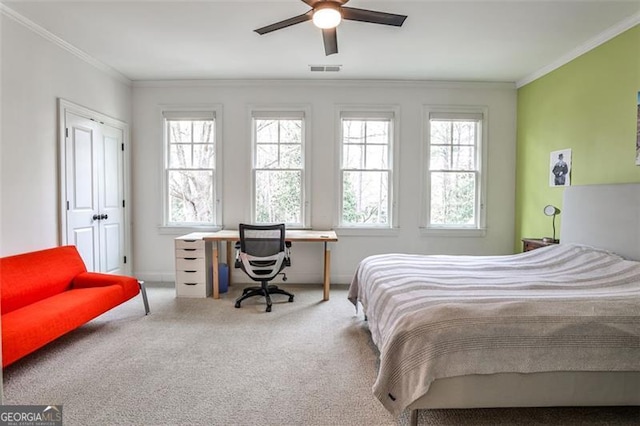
x=111 y=228
x=82 y=188
x=94 y=182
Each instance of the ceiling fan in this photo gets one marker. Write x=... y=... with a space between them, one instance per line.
x=327 y=14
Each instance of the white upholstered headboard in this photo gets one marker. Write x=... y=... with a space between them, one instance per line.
x=604 y=216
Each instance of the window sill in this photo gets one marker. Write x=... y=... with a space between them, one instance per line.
x=367 y=232
x=181 y=230
x=454 y=232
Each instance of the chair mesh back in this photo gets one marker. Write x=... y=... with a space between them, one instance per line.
x=262 y=242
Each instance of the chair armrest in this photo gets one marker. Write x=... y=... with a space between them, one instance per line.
x=238 y=262
x=287 y=253
x=96 y=279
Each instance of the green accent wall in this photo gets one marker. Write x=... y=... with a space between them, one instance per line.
x=588 y=105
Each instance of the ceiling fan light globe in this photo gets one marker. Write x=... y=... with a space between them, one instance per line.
x=327 y=17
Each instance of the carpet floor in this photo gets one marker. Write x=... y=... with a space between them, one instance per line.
x=203 y=362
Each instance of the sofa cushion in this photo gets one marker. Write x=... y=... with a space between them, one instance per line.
x=30 y=277
x=129 y=285
x=31 y=327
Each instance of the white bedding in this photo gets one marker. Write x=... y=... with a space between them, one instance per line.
x=559 y=308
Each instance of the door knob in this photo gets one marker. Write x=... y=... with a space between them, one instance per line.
x=96 y=217
x=104 y=216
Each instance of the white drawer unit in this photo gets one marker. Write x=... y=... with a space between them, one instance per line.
x=191 y=267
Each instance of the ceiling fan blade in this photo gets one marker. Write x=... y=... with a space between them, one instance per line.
x=286 y=23
x=372 y=16
x=330 y=38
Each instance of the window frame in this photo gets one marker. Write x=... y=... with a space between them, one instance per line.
x=368 y=112
x=284 y=112
x=191 y=112
x=482 y=140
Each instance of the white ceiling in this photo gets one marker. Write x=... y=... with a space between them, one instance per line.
x=476 y=40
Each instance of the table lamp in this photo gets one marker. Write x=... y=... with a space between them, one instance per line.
x=550 y=210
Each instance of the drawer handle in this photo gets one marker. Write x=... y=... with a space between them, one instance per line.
x=190 y=283
x=191 y=272
x=187 y=249
x=189 y=241
x=190 y=258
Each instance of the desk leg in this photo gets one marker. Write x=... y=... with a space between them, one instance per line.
x=214 y=265
x=230 y=261
x=327 y=272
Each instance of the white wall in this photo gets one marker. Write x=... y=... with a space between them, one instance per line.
x=153 y=251
x=35 y=73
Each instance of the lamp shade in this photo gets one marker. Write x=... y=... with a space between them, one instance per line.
x=327 y=15
x=550 y=210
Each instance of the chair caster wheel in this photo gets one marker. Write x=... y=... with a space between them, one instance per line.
x=268 y=308
x=290 y=299
x=237 y=304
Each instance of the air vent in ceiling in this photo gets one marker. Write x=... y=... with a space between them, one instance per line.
x=325 y=68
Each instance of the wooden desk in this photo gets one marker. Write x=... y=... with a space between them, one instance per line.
x=231 y=236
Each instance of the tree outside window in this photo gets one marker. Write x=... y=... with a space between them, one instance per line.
x=365 y=172
x=454 y=170
x=278 y=170
x=190 y=171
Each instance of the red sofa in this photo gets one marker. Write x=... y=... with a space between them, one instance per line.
x=47 y=293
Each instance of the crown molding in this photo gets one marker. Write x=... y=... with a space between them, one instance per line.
x=47 y=35
x=436 y=84
x=591 y=44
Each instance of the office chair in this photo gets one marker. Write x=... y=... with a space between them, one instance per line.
x=262 y=253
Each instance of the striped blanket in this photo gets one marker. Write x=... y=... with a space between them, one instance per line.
x=558 y=308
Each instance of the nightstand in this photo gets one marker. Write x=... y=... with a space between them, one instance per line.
x=534 y=243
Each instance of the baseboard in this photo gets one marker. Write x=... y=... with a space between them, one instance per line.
x=241 y=278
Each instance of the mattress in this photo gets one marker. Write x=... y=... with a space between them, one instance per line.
x=559 y=308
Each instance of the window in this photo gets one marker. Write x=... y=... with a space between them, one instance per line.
x=454 y=173
x=279 y=180
x=366 y=169
x=191 y=183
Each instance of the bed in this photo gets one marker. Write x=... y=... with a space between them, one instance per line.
x=556 y=326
